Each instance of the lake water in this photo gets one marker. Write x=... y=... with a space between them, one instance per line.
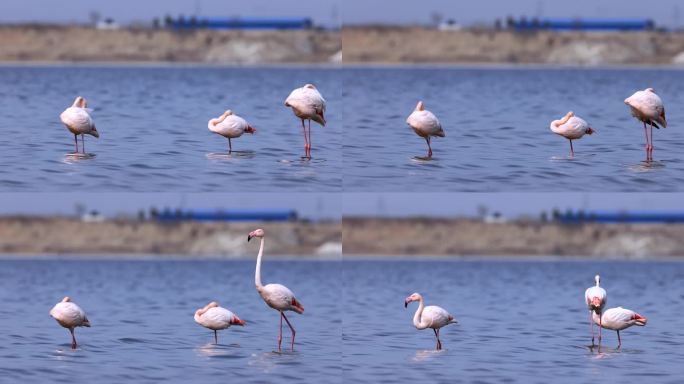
x=497 y=130
x=153 y=129
x=142 y=322
x=519 y=321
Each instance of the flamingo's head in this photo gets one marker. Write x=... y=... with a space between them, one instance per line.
x=597 y=279
x=255 y=233
x=412 y=298
x=420 y=106
x=228 y=112
x=79 y=102
x=66 y=299
x=590 y=131
x=237 y=321
x=250 y=129
x=310 y=86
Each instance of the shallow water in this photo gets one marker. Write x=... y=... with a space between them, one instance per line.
x=153 y=129
x=142 y=322
x=519 y=321
x=497 y=130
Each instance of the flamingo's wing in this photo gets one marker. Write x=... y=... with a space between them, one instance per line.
x=306 y=98
x=424 y=120
x=217 y=318
x=77 y=118
x=618 y=316
x=435 y=316
x=279 y=294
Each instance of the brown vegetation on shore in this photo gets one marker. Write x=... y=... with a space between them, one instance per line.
x=392 y=45
x=35 y=235
x=443 y=237
x=84 y=44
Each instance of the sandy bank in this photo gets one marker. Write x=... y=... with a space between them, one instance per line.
x=421 y=45
x=81 y=44
x=438 y=237
x=73 y=237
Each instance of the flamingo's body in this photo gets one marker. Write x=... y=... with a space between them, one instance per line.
x=230 y=126
x=618 y=319
x=572 y=128
x=78 y=121
x=276 y=296
x=69 y=315
x=425 y=124
x=647 y=107
x=214 y=317
x=596 y=298
x=432 y=316
x=307 y=104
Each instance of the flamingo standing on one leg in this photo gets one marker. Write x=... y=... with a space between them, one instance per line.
x=276 y=296
x=214 y=317
x=78 y=121
x=431 y=316
x=647 y=107
x=596 y=300
x=618 y=319
x=425 y=124
x=230 y=126
x=572 y=128
x=307 y=104
x=69 y=315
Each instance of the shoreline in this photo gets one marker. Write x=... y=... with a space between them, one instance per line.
x=164 y=64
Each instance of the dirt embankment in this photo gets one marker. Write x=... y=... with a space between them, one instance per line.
x=28 y=235
x=81 y=44
x=422 y=45
x=363 y=236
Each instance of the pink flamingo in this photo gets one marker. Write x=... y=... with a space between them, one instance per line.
x=276 y=296
x=618 y=319
x=425 y=124
x=572 y=128
x=307 y=104
x=596 y=299
x=214 y=317
x=431 y=316
x=78 y=121
x=69 y=315
x=230 y=126
x=647 y=107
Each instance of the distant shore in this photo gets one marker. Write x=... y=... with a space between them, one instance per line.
x=36 y=236
x=416 y=45
x=77 y=44
x=469 y=237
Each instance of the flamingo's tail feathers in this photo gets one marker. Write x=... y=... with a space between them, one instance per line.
x=639 y=320
x=452 y=320
x=298 y=307
x=86 y=322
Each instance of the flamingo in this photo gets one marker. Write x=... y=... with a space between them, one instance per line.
x=425 y=124
x=69 y=315
x=230 y=126
x=214 y=317
x=572 y=128
x=647 y=107
x=78 y=121
x=276 y=296
x=618 y=319
x=307 y=104
x=431 y=316
x=596 y=299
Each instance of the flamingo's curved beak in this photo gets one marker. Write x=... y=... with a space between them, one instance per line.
x=249 y=237
x=407 y=301
x=405 y=304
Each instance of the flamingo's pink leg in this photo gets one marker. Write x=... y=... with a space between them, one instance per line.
x=309 y=148
x=648 y=145
x=591 y=325
x=230 y=146
x=306 y=142
x=600 y=328
x=427 y=139
x=76 y=141
x=280 y=337
x=651 y=147
x=619 y=341
x=291 y=329
x=73 y=338
x=215 y=337
x=83 y=142
x=572 y=150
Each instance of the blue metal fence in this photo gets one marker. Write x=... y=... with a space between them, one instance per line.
x=241 y=23
x=228 y=215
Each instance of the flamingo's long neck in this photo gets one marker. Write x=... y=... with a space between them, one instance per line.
x=417 y=318
x=257 y=273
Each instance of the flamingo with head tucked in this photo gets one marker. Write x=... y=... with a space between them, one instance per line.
x=425 y=124
x=276 y=296
x=69 y=315
x=78 y=121
x=647 y=107
x=596 y=299
x=431 y=316
x=307 y=104
x=214 y=317
x=230 y=126
x=618 y=319
x=572 y=128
